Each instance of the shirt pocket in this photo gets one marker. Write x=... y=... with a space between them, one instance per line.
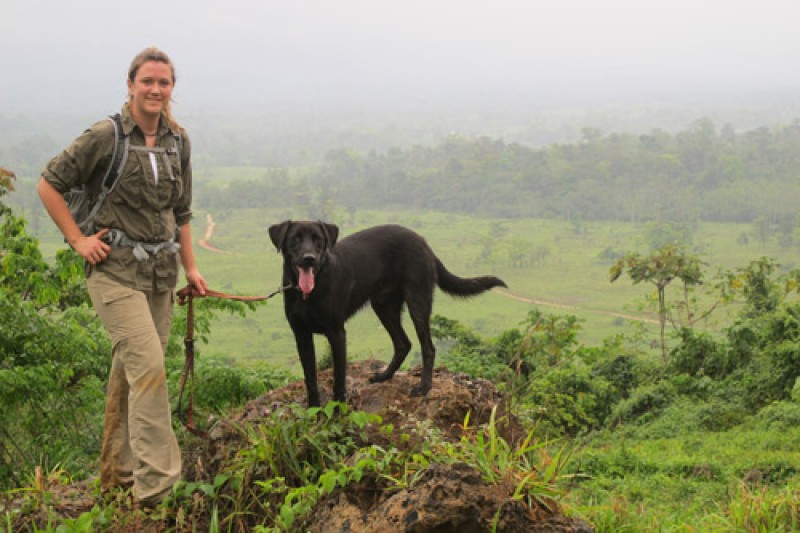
x=130 y=190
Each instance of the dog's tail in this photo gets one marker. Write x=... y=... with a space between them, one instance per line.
x=464 y=287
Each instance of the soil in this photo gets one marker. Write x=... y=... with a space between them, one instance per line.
x=443 y=498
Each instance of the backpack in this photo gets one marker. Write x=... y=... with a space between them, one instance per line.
x=78 y=200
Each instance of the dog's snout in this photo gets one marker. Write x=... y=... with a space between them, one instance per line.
x=309 y=260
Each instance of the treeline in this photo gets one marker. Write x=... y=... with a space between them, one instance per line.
x=701 y=173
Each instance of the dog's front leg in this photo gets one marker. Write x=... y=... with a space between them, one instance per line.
x=338 y=342
x=305 y=349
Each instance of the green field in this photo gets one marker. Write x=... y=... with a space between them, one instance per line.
x=571 y=278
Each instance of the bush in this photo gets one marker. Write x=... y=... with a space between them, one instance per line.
x=621 y=372
x=698 y=354
x=220 y=385
x=685 y=416
x=470 y=354
x=567 y=400
x=779 y=416
x=645 y=403
x=52 y=367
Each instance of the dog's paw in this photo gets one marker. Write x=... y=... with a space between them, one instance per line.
x=379 y=377
x=317 y=399
x=420 y=390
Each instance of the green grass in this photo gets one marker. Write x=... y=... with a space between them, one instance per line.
x=690 y=481
x=571 y=279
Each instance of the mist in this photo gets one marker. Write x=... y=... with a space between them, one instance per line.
x=68 y=57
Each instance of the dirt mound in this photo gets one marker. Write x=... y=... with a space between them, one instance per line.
x=446 y=405
x=445 y=498
x=442 y=498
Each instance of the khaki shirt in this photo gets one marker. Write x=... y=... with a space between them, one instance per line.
x=146 y=209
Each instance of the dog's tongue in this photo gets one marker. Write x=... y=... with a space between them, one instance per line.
x=305 y=281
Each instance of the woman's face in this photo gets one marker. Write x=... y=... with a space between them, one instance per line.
x=151 y=89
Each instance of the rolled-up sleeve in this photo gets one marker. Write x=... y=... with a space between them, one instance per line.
x=183 y=209
x=76 y=164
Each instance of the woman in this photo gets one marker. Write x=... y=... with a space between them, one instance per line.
x=131 y=277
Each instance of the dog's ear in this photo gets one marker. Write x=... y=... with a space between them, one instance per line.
x=331 y=232
x=277 y=233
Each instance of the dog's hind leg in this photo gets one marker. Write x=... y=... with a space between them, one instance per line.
x=420 y=308
x=390 y=314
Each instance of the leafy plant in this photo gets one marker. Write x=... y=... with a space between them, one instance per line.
x=761 y=509
x=528 y=466
x=284 y=468
x=660 y=269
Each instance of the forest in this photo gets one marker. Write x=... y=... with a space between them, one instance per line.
x=725 y=401
x=704 y=172
x=701 y=173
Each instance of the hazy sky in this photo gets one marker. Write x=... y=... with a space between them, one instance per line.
x=74 y=55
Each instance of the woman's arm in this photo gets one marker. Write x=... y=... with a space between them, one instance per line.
x=193 y=275
x=90 y=248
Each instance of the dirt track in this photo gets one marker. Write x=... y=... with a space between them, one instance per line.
x=572 y=307
x=211 y=226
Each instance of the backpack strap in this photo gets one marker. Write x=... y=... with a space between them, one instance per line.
x=120 y=154
x=177 y=148
x=119 y=157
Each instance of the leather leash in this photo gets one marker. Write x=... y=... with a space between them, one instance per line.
x=186 y=297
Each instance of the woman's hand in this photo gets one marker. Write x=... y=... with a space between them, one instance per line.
x=193 y=275
x=196 y=280
x=92 y=248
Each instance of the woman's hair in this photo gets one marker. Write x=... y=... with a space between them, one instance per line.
x=154 y=54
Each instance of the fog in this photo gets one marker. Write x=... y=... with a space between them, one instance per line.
x=266 y=54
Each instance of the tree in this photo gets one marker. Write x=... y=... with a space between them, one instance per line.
x=660 y=269
x=755 y=283
x=53 y=356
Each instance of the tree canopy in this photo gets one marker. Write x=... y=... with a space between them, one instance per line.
x=701 y=173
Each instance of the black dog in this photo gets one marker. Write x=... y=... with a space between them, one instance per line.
x=386 y=266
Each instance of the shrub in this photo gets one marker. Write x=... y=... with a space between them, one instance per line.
x=779 y=416
x=645 y=403
x=567 y=400
x=220 y=385
x=698 y=354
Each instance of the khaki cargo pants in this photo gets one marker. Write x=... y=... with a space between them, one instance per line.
x=139 y=447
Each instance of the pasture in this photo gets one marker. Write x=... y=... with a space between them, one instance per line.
x=560 y=267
